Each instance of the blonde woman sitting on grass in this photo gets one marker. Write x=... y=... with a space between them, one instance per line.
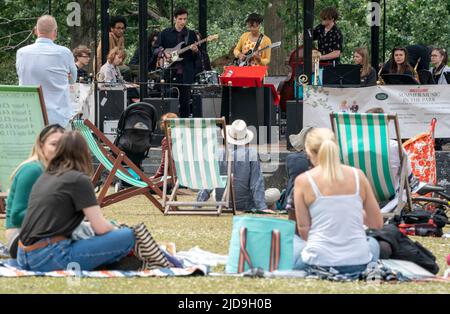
x=333 y=202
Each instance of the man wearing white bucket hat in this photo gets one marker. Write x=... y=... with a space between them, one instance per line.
x=248 y=180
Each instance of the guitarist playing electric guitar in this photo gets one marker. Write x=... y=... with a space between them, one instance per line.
x=253 y=40
x=180 y=73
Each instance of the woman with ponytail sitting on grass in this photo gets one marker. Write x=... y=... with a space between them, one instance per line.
x=333 y=202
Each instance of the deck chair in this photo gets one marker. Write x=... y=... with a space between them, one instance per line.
x=115 y=161
x=192 y=157
x=364 y=143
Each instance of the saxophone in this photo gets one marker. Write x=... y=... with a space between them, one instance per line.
x=380 y=80
x=415 y=74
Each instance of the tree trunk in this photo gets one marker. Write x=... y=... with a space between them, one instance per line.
x=274 y=28
x=85 y=33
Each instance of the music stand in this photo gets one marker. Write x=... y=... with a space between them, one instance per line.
x=399 y=79
x=342 y=74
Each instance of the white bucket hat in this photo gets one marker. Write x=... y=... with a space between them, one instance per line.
x=238 y=134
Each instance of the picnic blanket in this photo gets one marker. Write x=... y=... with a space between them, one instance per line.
x=7 y=269
x=194 y=262
x=383 y=271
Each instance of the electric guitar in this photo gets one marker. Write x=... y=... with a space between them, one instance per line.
x=250 y=54
x=175 y=52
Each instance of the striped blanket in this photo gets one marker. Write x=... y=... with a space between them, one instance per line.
x=6 y=270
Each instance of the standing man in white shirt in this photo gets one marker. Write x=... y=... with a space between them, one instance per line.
x=51 y=66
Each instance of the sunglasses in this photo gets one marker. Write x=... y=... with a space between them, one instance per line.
x=48 y=129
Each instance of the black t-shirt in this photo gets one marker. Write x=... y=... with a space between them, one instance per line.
x=82 y=75
x=169 y=38
x=328 y=42
x=56 y=204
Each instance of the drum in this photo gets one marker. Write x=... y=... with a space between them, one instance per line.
x=207 y=78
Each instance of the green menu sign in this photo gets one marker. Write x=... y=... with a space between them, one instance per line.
x=22 y=117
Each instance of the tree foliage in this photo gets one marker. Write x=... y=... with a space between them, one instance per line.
x=408 y=22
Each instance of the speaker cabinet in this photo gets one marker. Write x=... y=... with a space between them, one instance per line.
x=254 y=105
x=206 y=106
x=111 y=102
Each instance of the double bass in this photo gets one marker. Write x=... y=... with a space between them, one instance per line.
x=286 y=88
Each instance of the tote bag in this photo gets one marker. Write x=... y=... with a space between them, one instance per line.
x=260 y=242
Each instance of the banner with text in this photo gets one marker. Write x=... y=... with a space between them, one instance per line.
x=415 y=106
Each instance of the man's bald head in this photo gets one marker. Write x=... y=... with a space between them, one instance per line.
x=46 y=27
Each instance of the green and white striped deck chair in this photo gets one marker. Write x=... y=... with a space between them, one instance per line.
x=364 y=143
x=193 y=157
x=115 y=161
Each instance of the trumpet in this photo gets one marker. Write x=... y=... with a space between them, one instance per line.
x=316 y=59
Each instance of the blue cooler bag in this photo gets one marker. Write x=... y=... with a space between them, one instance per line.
x=261 y=242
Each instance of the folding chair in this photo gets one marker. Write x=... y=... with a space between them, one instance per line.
x=364 y=143
x=193 y=157
x=115 y=162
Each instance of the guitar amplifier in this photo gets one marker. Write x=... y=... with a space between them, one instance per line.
x=206 y=106
x=162 y=105
x=111 y=102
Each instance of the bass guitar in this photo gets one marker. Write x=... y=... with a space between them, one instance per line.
x=251 y=53
x=175 y=52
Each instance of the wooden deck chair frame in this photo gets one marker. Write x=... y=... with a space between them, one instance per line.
x=172 y=206
x=3 y=196
x=404 y=183
x=118 y=159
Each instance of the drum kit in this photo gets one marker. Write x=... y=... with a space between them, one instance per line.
x=207 y=78
x=207 y=83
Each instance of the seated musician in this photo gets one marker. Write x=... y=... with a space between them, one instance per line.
x=82 y=55
x=328 y=35
x=440 y=69
x=368 y=74
x=251 y=39
x=398 y=63
x=110 y=72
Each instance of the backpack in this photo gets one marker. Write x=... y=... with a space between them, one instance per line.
x=422 y=222
x=403 y=248
x=135 y=130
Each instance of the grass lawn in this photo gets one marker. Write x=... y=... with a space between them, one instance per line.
x=211 y=234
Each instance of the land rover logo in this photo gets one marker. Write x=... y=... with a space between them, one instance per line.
x=381 y=96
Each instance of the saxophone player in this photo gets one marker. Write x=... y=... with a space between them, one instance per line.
x=398 y=63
